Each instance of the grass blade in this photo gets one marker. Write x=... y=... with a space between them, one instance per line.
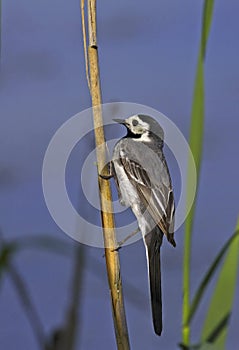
x=27 y=303
x=46 y=242
x=207 y=21
x=210 y=273
x=42 y=242
x=204 y=346
x=222 y=299
x=5 y=253
x=195 y=141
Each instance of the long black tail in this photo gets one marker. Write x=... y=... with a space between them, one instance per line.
x=153 y=241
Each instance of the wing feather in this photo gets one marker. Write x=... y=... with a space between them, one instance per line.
x=157 y=198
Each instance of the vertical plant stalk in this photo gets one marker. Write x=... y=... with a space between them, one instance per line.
x=111 y=255
x=196 y=143
x=67 y=337
x=196 y=146
x=27 y=304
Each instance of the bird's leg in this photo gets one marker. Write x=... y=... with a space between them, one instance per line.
x=121 y=243
x=107 y=171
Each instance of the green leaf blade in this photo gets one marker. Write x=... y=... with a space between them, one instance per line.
x=208 y=276
x=196 y=144
x=207 y=21
x=45 y=242
x=222 y=300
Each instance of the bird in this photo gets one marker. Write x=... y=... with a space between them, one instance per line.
x=143 y=181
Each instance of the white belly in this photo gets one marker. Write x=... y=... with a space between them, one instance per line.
x=129 y=195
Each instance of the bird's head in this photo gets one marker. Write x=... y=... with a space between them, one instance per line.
x=142 y=127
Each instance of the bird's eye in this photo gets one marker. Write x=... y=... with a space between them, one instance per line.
x=135 y=122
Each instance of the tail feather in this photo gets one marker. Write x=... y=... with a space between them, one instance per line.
x=153 y=241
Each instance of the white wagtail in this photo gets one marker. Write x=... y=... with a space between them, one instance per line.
x=141 y=174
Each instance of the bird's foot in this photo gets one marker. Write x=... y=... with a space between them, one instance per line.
x=121 y=243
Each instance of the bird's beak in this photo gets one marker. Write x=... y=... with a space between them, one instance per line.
x=120 y=121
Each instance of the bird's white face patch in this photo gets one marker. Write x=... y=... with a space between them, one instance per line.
x=136 y=125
